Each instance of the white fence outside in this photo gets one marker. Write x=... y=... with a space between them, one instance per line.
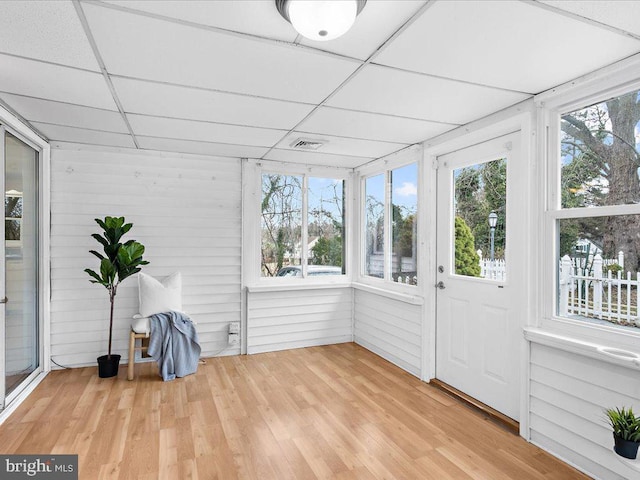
x=492 y=270
x=596 y=294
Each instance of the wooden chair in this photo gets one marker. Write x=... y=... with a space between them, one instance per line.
x=139 y=330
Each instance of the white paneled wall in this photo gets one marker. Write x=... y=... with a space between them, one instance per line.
x=389 y=327
x=569 y=394
x=279 y=320
x=187 y=213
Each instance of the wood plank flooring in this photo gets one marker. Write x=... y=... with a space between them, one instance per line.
x=337 y=412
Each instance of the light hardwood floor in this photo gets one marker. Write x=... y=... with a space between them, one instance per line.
x=324 y=412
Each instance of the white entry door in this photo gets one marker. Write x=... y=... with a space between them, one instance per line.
x=480 y=272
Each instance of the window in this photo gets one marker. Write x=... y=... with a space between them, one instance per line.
x=480 y=199
x=390 y=222
x=302 y=226
x=374 y=226
x=597 y=218
x=13 y=218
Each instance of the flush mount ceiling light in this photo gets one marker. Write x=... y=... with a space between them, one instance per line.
x=320 y=20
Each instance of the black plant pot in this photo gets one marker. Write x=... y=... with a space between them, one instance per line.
x=108 y=367
x=625 y=448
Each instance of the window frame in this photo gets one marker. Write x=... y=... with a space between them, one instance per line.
x=551 y=107
x=263 y=167
x=385 y=168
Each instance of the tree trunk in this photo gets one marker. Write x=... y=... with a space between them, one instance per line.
x=623 y=232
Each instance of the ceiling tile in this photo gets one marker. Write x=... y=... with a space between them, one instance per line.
x=37 y=110
x=80 y=135
x=621 y=14
x=142 y=47
x=343 y=145
x=203 y=131
x=255 y=17
x=315 y=158
x=163 y=100
x=200 y=148
x=378 y=21
x=48 y=31
x=507 y=44
x=42 y=80
x=371 y=126
x=395 y=92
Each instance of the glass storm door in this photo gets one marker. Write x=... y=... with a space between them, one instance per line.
x=19 y=318
x=478 y=328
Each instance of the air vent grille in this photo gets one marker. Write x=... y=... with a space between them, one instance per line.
x=307 y=144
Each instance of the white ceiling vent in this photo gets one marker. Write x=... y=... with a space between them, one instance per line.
x=307 y=144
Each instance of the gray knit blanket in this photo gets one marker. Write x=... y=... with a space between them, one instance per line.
x=174 y=344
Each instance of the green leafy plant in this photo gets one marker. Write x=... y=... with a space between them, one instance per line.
x=120 y=260
x=466 y=259
x=624 y=423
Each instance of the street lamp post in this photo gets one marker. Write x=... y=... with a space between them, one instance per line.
x=493 y=221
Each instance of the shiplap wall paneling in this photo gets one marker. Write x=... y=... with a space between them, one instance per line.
x=187 y=213
x=293 y=319
x=390 y=328
x=569 y=394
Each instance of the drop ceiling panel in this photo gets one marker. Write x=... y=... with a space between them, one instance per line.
x=343 y=145
x=395 y=92
x=42 y=80
x=332 y=121
x=164 y=100
x=200 y=148
x=254 y=17
x=203 y=131
x=623 y=14
x=48 y=31
x=81 y=135
x=513 y=45
x=37 y=110
x=137 y=46
x=378 y=21
x=315 y=158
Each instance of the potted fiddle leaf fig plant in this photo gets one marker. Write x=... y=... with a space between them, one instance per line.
x=626 y=431
x=119 y=261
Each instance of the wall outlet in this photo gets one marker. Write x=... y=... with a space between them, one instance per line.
x=234 y=339
x=234 y=327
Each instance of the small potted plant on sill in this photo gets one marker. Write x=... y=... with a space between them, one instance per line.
x=626 y=431
x=120 y=260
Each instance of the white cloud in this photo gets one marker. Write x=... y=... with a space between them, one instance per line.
x=407 y=189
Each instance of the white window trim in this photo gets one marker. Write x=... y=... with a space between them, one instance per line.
x=384 y=166
x=612 y=81
x=252 y=195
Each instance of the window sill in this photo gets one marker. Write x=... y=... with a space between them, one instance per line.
x=605 y=353
x=402 y=297
x=288 y=287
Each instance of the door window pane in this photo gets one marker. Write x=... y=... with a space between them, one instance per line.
x=21 y=262
x=404 y=208
x=281 y=225
x=597 y=272
x=325 y=217
x=480 y=199
x=374 y=226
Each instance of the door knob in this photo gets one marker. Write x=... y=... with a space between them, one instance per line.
x=440 y=285
x=4 y=300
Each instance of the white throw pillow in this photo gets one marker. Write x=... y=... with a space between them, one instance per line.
x=159 y=297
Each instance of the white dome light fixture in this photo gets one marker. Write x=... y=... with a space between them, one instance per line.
x=320 y=20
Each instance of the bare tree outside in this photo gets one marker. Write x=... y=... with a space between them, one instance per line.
x=281 y=209
x=600 y=162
